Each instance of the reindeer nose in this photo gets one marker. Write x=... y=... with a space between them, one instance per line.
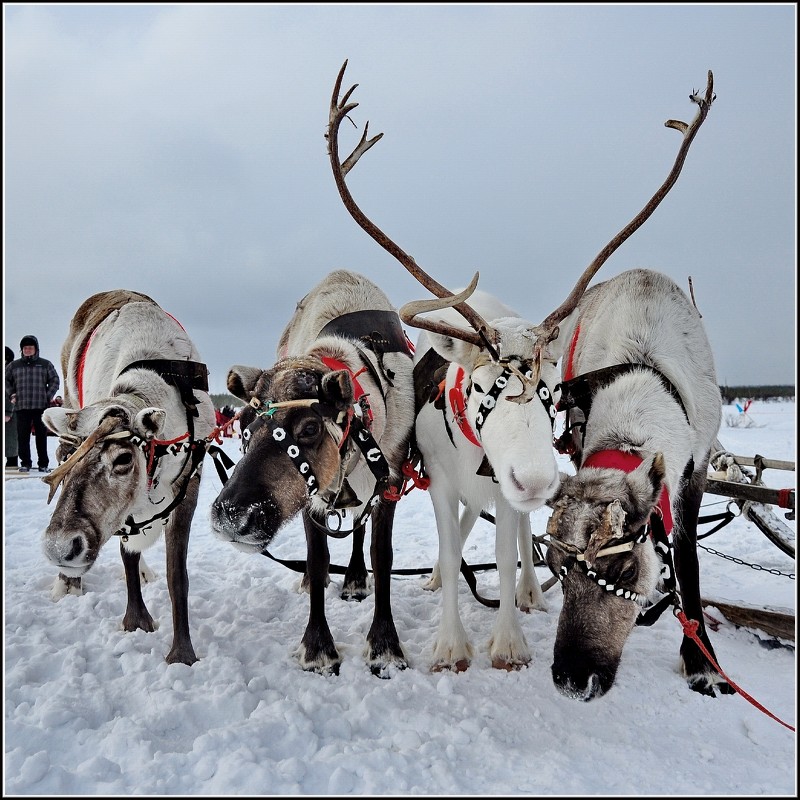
x=76 y=549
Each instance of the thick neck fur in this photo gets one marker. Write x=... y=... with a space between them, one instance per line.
x=643 y=317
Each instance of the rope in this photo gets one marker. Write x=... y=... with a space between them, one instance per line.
x=784 y=496
x=690 y=627
x=163 y=443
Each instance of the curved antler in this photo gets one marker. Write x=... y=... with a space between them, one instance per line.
x=484 y=335
x=548 y=330
x=59 y=474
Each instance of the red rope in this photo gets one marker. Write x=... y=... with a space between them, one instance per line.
x=784 y=495
x=418 y=481
x=690 y=629
x=153 y=442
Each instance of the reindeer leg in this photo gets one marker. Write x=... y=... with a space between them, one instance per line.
x=700 y=674
x=383 y=641
x=136 y=614
x=177 y=541
x=317 y=651
x=355 y=585
x=64 y=585
x=465 y=524
x=507 y=646
x=529 y=592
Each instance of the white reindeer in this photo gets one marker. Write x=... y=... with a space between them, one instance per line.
x=508 y=352
x=645 y=409
x=482 y=457
x=135 y=421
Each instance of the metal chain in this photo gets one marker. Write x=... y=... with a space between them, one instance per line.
x=735 y=560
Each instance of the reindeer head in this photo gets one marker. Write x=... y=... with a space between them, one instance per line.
x=290 y=437
x=103 y=480
x=607 y=567
x=508 y=415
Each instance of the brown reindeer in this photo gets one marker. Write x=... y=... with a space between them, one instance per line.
x=325 y=433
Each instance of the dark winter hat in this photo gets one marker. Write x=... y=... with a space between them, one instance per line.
x=29 y=341
x=9 y=355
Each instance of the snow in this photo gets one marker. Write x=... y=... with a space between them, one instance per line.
x=92 y=710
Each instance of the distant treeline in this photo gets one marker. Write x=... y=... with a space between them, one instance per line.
x=732 y=393
x=729 y=395
x=220 y=400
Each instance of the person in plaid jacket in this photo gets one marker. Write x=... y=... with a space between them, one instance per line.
x=32 y=383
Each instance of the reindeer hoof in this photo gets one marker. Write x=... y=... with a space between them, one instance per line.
x=509 y=666
x=350 y=593
x=182 y=654
x=462 y=665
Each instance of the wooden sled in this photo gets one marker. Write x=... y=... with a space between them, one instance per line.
x=731 y=478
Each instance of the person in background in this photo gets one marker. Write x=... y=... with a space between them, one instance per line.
x=32 y=383
x=10 y=435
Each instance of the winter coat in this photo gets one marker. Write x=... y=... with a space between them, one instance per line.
x=10 y=426
x=32 y=382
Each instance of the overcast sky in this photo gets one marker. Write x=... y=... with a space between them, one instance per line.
x=178 y=150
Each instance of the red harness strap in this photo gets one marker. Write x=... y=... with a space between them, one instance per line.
x=627 y=462
x=459 y=407
x=569 y=372
x=359 y=391
x=81 y=364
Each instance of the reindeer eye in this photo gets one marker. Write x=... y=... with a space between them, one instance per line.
x=628 y=574
x=309 y=430
x=122 y=461
x=478 y=388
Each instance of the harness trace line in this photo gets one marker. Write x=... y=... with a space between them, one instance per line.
x=690 y=627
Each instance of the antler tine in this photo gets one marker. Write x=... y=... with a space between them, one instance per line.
x=548 y=329
x=339 y=109
x=59 y=474
x=408 y=313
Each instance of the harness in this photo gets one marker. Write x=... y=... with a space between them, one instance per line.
x=353 y=431
x=654 y=528
x=433 y=367
x=186 y=377
x=578 y=393
x=378 y=331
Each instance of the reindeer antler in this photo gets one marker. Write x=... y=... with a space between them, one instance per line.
x=59 y=474
x=485 y=335
x=548 y=330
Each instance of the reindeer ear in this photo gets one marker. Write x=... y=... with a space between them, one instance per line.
x=242 y=380
x=337 y=389
x=462 y=353
x=56 y=419
x=648 y=480
x=646 y=483
x=149 y=422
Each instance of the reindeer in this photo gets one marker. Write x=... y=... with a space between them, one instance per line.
x=131 y=431
x=507 y=359
x=325 y=434
x=643 y=411
x=483 y=441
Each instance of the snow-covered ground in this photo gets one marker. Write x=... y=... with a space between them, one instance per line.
x=91 y=710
